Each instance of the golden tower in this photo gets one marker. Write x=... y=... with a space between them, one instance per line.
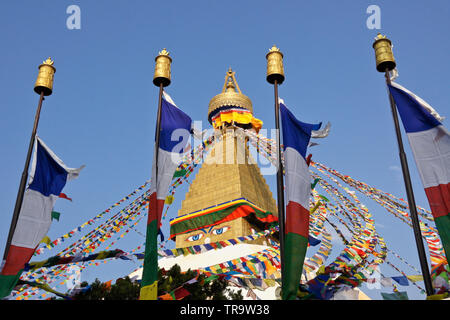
x=228 y=175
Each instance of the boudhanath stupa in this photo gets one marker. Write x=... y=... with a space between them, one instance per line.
x=229 y=198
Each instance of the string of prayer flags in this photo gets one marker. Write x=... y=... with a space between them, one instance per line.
x=341 y=209
x=91 y=221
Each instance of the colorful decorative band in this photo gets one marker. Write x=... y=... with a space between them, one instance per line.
x=218 y=214
x=202 y=248
x=237 y=115
x=210 y=209
x=223 y=109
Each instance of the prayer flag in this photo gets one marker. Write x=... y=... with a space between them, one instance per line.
x=296 y=136
x=430 y=144
x=175 y=129
x=48 y=177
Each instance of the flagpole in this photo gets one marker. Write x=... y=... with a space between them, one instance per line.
x=385 y=63
x=158 y=130
x=280 y=180
x=161 y=79
x=275 y=76
x=43 y=87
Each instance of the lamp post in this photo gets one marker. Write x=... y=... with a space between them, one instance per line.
x=385 y=62
x=275 y=76
x=43 y=87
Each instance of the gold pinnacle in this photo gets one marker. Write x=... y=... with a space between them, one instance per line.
x=48 y=62
x=231 y=95
x=379 y=36
x=164 y=52
x=274 y=49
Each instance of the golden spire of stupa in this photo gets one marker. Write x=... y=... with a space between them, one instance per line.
x=231 y=95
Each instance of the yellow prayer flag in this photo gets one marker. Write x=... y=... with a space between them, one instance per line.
x=149 y=292
x=169 y=199
x=46 y=240
x=415 y=278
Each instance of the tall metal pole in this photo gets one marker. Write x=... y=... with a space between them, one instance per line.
x=43 y=87
x=385 y=63
x=149 y=282
x=23 y=180
x=280 y=180
x=158 y=131
x=275 y=76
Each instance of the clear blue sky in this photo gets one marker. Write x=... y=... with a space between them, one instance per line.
x=102 y=112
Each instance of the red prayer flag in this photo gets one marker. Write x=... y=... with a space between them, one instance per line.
x=64 y=196
x=181 y=293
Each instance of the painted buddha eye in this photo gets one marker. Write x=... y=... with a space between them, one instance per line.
x=220 y=231
x=195 y=237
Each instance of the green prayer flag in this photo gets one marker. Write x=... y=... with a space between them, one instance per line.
x=149 y=282
x=395 y=296
x=7 y=283
x=443 y=227
x=211 y=278
x=295 y=252
x=179 y=173
x=55 y=215
x=313 y=185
